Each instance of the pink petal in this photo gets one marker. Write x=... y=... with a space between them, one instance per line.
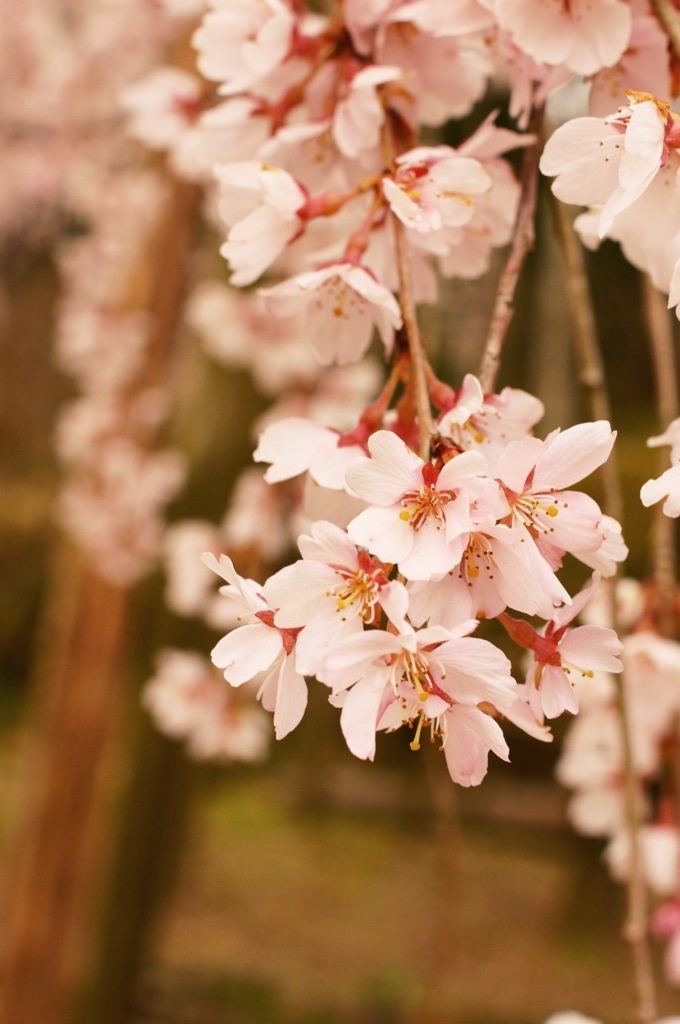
x=291 y=699
x=246 y=651
x=359 y=717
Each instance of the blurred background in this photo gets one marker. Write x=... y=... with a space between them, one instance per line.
x=140 y=885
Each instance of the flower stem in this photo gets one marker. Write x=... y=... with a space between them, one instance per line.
x=419 y=361
x=522 y=244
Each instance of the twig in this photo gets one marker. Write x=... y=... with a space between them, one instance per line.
x=584 y=334
x=592 y=378
x=669 y=17
x=662 y=345
x=522 y=244
x=419 y=362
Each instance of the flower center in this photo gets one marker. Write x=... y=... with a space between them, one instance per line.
x=536 y=511
x=359 y=589
x=478 y=556
x=423 y=504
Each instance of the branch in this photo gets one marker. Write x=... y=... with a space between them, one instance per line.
x=592 y=378
x=419 y=361
x=660 y=334
x=522 y=244
x=669 y=18
x=586 y=342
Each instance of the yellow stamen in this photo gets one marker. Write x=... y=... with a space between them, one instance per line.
x=415 y=742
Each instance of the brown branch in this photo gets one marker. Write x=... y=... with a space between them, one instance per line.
x=522 y=243
x=591 y=371
x=660 y=334
x=419 y=361
x=592 y=378
x=668 y=16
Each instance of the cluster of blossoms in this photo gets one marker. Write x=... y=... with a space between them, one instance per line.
x=327 y=183
x=63 y=67
x=382 y=611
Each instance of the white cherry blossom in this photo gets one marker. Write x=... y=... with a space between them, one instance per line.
x=419 y=516
x=434 y=188
x=258 y=649
x=333 y=592
x=424 y=673
x=259 y=204
x=241 y=41
x=343 y=303
x=584 y=35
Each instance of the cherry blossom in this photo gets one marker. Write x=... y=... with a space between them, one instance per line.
x=187 y=700
x=434 y=188
x=333 y=591
x=242 y=41
x=259 y=204
x=343 y=303
x=297 y=445
x=259 y=649
x=560 y=652
x=610 y=163
x=442 y=668
x=534 y=473
x=584 y=35
x=360 y=115
x=420 y=515
x=162 y=106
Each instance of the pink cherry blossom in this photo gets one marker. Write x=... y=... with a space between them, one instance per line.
x=534 y=474
x=188 y=700
x=293 y=446
x=644 y=66
x=420 y=516
x=259 y=649
x=162 y=106
x=584 y=35
x=422 y=675
x=487 y=423
x=434 y=188
x=668 y=484
x=343 y=303
x=611 y=162
x=189 y=583
x=333 y=592
x=259 y=204
x=241 y=41
x=559 y=651
x=359 y=117
x=445 y=74
x=496 y=571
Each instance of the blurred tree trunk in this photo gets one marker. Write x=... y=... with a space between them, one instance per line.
x=61 y=855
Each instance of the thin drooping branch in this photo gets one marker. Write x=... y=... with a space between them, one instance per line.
x=591 y=371
x=419 y=362
x=522 y=243
x=660 y=333
x=426 y=428
x=593 y=381
x=669 y=16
